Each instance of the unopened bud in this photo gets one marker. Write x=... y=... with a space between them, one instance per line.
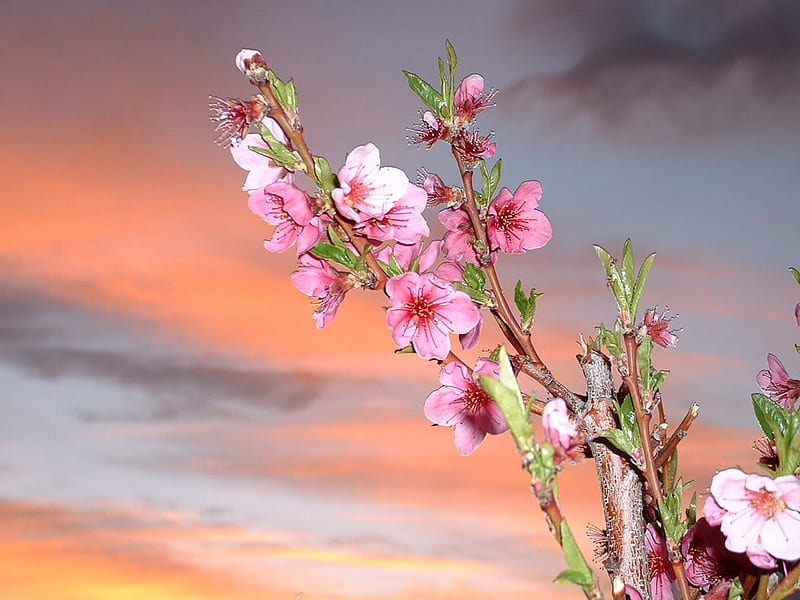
x=252 y=64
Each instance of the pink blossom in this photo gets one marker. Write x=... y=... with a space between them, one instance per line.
x=367 y=189
x=470 y=99
x=757 y=514
x=707 y=561
x=429 y=130
x=776 y=383
x=462 y=403
x=439 y=193
x=403 y=222
x=472 y=146
x=657 y=328
x=460 y=237
x=560 y=431
x=261 y=170
x=316 y=278
x=287 y=207
x=515 y=225
x=797 y=314
x=425 y=310
x=661 y=573
x=232 y=117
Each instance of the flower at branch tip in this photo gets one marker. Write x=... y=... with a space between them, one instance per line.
x=403 y=222
x=429 y=130
x=262 y=171
x=515 y=225
x=657 y=325
x=316 y=278
x=425 y=310
x=776 y=384
x=232 y=117
x=661 y=573
x=560 y=431
x=287 y=207
x=708 y=563
x=365 y=188
x=463 y=404
x=758 y=515
x=470 y=99
x=250 y=61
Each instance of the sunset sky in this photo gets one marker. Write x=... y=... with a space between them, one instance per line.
x=175 y=428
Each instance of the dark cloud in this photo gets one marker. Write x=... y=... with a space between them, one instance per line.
x=50 y=339
x=677 y=67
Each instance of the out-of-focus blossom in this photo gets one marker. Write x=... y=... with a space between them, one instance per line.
x=316 y=278
x=472 y=146
x=657 y=325
x=425 y=310
x=758 y=515
x=462 y=403
x=560 y=431
x=367 y=189
x=707 y=561
x=429 y=130
x=232 y=117
x=469 y=98
x=515 y=224
x=797 y=314
x=262 y=171
x=776 y=383
x=438 y=193
x=403 y=222
x=661 y=573
x=286 y=206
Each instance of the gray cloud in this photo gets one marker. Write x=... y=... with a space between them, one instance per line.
x=674 y=68
x=53 y=340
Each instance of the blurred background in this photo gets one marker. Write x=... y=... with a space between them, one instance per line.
x=174 y=427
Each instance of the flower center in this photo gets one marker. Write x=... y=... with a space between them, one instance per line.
x=475 y=398
x=359 y=191
x=766 y=503
x=657 y=563
x=507 y=218
x=422 y=308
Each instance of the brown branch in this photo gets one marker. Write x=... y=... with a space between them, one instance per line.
x=680 y=433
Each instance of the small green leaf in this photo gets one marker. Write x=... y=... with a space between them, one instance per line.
x=281 y=156
x=520 y=299
x=614 y=280
x=326 y=180
x=475 y=276
x=771 y=417
x=611 y=339
x=641 y=281
x=496 y=175
x=343 y=256
x=627 y=263
x=691 y=510
x=477 y=295
x=620 y=439
x=737 y=590
x=291 y=95
x=452 y=57
x=507 y=395
x=426 y=92
x=579 y=571
x=390 y=270
x=795 y=273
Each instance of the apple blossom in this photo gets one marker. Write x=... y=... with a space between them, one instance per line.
x=425 y=310
x=365 y=188
x=776 y=383
x=463 y=404
x=515 y=225
x=758 y=515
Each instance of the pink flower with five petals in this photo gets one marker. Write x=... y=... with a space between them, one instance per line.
x=316 y=278
x=403 y=222
x=515 y=225
x=469 y=98
x=776 y=383
x=463 y=404
x=425 y=310
x=261 y=171
x=287 y=207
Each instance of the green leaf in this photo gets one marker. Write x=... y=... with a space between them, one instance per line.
x=627 y=263
x=643 y=358
x=737 y=590
x=281 y=156
x=326 y=180
x=452 y=58
x=691 y=510
x=612 y=340
x=477 y=295
x=520 y=299
x=496 y=175
x=771 y=417
x=343 y=256
x=670 y=507
x=390 y=270
x=291 y=95
x=620 y=439
x=641 y=281
x=795 y=273
x=426 y=92
x=657 y=378
x=475 y=276
x=579 y=571
x=614 y=280
x=507 y=395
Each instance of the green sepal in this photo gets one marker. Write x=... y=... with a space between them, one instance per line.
x=285 y=93
x=343 y=256
x=737 y=590
x=795 y=273
x=770 y=415
x=325 y=179
x=506 y=393
x=475 y=276
x=426 y=92
x=579 y=571
x=281 y=156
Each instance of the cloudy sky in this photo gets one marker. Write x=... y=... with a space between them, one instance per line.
x=174 y=425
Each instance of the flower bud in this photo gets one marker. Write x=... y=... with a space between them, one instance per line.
x=252 y=64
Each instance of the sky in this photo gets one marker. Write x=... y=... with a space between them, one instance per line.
x=175 y=427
